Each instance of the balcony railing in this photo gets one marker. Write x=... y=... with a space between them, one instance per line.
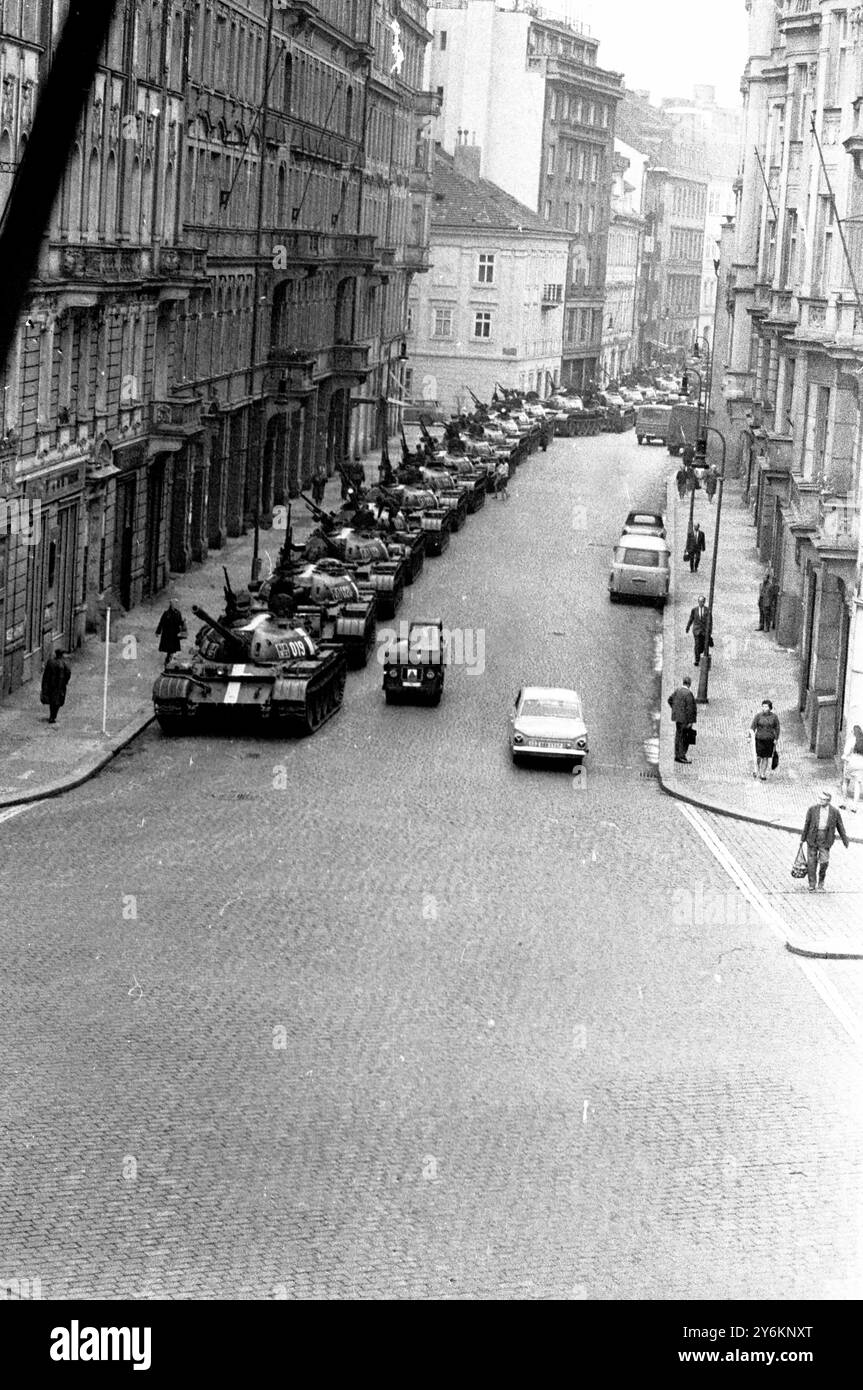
x=291 y=371
x=417 y=258
x=94 y=261
x=350 y=359
x=179 y=415
x=552 y=295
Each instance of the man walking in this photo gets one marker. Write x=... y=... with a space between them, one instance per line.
x=764 y=604
x=696 y=546
x=698 y=622
x=55 y=678
x=684 y=713
x=820 y=828
x=319 y=484
x=170 y=631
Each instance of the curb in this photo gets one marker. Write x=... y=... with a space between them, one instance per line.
x=668 y=645
x=129 y=732
x=822 y=952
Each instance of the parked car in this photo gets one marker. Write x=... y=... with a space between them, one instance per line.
x=548 y=722
x=645 y=524
x=640 y=568
x=651 y=423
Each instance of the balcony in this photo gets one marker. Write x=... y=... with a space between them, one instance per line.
x=417 y=259
x=291 y=372
x=176 y=418
x=839 y=520
x=552 y=296
x=805 y=502
x=350 y=359
x=95 y=263
x=426 y=104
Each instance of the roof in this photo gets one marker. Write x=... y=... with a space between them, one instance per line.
x=459 y=202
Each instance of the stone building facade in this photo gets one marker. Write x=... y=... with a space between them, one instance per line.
x=526 y=88
x=221 y=299
x=490 y=309
x=795 y=328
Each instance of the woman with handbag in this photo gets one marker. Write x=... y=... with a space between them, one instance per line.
x=764 y=731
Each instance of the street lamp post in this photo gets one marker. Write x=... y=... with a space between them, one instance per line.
x=689 y=469
x=704 y=669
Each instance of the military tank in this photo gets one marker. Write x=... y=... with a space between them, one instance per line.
x=365 y=555
x=378 y=514
x=422 y=509
x=324 y=598
x=262 y=667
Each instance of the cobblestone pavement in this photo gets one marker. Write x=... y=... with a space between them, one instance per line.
x=376 y=1014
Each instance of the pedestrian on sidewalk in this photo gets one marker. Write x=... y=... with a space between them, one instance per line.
x=695 y=547
x=698 y=619
x=764 y=602
x=764 y=729
x=55 y=678
x=684 y=713
x=823 y=823
x=319 y=484
x=852 y=766
x=501 y=480
x=171 y=630
x=544 y=436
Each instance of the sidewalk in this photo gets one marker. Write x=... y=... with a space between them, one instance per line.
x=747 y=668
x=37 y=760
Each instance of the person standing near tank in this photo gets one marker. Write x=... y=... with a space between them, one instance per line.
x=171 y=630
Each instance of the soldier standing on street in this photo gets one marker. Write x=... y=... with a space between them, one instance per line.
x=684 y=713
x=55 y=678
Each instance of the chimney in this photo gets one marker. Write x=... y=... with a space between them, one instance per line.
x=467 y=161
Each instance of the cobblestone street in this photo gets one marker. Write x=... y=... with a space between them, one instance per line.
x=377 y=1014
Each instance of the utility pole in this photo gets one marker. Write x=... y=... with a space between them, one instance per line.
x=704 y=668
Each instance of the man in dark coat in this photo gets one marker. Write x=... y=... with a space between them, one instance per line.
x=544 y=435
x=764 y=603
x=170 y=630
x=55 y=678
x=823 y=823
x=695 y=547
x=684 y=713
x=698 y=622
x=319 y=485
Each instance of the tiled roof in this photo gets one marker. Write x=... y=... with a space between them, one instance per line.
x=459 y=202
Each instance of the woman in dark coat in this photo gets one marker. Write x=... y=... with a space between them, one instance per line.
x=55 y=678
x=170 y=630
x=765 y=731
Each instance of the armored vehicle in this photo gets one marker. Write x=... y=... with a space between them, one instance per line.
x=364 y=553
x=415 y=664
x=263 y=668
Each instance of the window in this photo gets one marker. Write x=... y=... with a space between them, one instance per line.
x=553 y=106
x=485 y=269
x=442 y=323
x=581 y=160
x=482 y=324
x=442 y=40
x=579 y=109
x=587 y=271
x=566 y=211
x=594 y=167
x=569 y=158
x=551 y=159
x=547 y=209
x=578 y=216
x=409 y=324
x=591 y=114
x=409 y=383
x=604 y=113
x=591 y=218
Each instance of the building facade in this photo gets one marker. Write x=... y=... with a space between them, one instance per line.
x=490 y=310
x=620 y=330
x=527 y=89
x=795 y=329
x=221 y=300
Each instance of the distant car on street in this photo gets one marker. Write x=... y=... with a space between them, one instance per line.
x=651 y=422
x=645 y=523
x=548 y=722
x=640 y=568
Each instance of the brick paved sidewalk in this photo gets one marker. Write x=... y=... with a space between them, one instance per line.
x=38 y=760
x=747 y=668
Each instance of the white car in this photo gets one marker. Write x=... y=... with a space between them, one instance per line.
x=548 y=722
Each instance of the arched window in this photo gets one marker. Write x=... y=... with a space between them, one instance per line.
x=169 y=207
x=133 y=200
x=93 y=191
x=74 y=175
x=281 y=197
x=288 y=82
x=349 y=111
x=111 y=196
x=146 y=200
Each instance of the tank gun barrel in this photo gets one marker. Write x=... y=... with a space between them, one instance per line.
x=233 y=638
